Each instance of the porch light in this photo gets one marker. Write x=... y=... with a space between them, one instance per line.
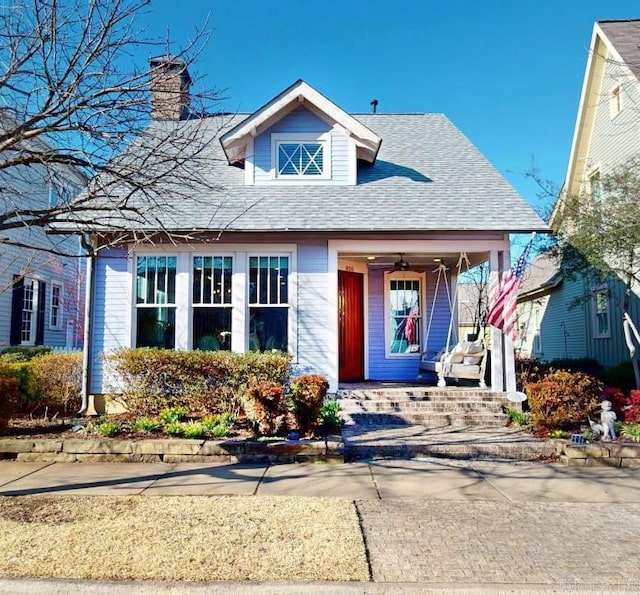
x=437 y=260
x=371 y=257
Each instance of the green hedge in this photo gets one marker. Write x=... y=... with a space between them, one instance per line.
x=205 y=382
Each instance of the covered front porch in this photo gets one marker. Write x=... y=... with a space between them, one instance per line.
x=396 y=305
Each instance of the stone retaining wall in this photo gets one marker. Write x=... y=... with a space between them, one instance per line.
x=599 y=454
x=169 y=451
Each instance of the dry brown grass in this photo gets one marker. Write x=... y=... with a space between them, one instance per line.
x=181 y=538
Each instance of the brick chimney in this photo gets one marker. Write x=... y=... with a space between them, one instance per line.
x=170 y=82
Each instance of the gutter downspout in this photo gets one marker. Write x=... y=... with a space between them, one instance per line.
x=86 y=407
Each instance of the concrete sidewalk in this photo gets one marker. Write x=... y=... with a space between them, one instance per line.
x=429 y=526
x=437 y=479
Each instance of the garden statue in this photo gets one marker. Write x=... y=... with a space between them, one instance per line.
x=606 y=427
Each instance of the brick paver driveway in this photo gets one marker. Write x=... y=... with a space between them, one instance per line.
x=569 y=545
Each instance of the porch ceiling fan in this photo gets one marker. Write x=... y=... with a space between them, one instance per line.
x=402 y=264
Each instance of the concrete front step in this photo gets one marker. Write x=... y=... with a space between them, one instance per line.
x=424 y=406
x=430 y=420
x=385 y=406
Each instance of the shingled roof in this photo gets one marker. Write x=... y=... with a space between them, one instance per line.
x=427 y=177
x=624 y=35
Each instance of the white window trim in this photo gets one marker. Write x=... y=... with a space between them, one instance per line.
x=193 y=305
x=594 y=312
x=615 y=101
x=301 y=137
x=591 y=173
x=134 y=292
x=239 y=290
x=407 y=275
x=33 y=329
x=58 y=326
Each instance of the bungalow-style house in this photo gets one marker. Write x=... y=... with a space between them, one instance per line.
x=322 y=241
x=605 y=136
x=41 y=289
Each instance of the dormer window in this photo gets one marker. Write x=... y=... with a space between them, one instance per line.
x=299 y=156
x=300 y=159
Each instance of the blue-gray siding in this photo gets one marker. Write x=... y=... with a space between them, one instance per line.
x=403 y=368
x=111 y=312
x=313 y=307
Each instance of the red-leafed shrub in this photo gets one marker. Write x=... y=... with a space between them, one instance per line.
x=266 y=408
x=632 y=411
x=618 y=399
x=307 y=395
x=562 y=399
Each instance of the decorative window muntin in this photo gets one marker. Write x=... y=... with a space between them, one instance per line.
x=301 y=156
x=300 y=159
x=404 y=321
x=268 y=303
x=55 y=307
x=212 y=311
x=156 y=301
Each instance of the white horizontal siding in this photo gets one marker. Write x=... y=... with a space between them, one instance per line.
x=615 y=140
x=302 y=121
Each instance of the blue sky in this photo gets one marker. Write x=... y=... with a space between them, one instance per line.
x=508 y=73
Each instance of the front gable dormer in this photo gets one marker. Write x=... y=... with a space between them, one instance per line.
x=300 y=137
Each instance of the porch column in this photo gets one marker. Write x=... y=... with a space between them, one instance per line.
x=332 y=317
x=503 y=366
x=497 y=371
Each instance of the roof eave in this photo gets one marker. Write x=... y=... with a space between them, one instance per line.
x=234 y=141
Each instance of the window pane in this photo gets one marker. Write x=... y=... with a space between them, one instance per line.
x=212 y=328
x=405 y=323
x=263 y=280
x=268 y=329
x=156 y=327
x=284 y=280
x=253 y=280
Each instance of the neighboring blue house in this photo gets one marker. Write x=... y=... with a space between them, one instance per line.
x=606 y=135
x=41 y=289
x=323 y=241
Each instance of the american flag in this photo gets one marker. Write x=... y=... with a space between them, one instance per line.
x=502 y=313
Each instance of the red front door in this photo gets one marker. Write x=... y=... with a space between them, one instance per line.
x=350 y=326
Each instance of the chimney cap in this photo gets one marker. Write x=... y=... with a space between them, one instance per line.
x=171 y=63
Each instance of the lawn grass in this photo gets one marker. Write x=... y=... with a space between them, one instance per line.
x=181 y=538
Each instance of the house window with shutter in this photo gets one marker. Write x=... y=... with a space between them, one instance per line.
x=27 y=311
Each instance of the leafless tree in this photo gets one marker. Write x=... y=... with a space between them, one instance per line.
x=75 y=107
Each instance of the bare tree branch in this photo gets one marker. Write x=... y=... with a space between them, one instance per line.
x=78 y=150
